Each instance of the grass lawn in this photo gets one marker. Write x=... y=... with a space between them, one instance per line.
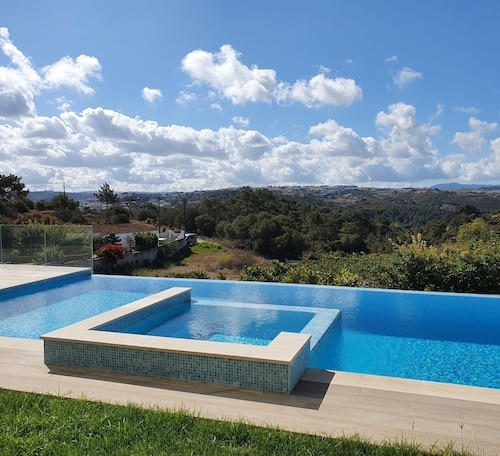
x=35 y=424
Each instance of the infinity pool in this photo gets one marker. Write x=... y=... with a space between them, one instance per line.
x=453 y=338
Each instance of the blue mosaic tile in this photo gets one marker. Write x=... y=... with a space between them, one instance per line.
x=264 y=376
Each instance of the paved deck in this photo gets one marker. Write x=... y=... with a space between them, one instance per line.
x=17 y=275
x=324 y=403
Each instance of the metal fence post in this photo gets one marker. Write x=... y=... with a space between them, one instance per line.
x=45 y=244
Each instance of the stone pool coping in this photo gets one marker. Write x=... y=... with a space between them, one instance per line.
x=20 y=276
x=276 y=367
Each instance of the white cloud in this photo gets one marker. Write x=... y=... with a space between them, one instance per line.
x=63 y=104
x=185 y=98
x=321 y=91
x=338 y=141
x=72 y=73
x=468 y=110
x=151 y=95
x=469 y=141
x=408 y=144
x=20 y=83
x=392 y=59
x=440 y=107
x=243 y=121
x=474 y=140
x=495 y=148
x=482 y=127
x=485 y=169
x=18 y=59
x=44 y=127
x=406 y=76
x=231 y=79
x=225 y=73
x=406 y=137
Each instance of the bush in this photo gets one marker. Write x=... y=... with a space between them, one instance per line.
x=145 y=240
x=167 y=250
x=475 y=271
x=198 y=274
x=147 y=213
x=111 y=253
x=420 y=267
x=120 y=215
x=205 y=224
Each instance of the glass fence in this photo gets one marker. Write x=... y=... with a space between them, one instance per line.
x=57 y=245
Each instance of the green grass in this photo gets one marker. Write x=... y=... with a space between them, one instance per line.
x=201 y=247
x=35 y=424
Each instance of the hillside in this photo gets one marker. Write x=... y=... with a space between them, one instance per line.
x=485 y=199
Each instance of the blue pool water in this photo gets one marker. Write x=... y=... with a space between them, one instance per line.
x=228 y=323
x=442 y=337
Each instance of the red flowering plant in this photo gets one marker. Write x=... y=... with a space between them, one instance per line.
x=111 y=253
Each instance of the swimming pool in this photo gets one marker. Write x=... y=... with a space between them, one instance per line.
x=211 y=320
x=453 y=338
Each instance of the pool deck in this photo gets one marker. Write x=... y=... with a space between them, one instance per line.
x=323 y=403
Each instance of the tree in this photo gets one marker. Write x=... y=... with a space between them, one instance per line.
x=63 y=202
x=205 y=224
x=107 y=195
x=11 y=187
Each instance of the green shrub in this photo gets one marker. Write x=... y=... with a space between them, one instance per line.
x=145 y=240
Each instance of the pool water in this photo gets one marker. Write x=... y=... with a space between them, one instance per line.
x=229 y=323
x=33 y=322
x=444 y=337
x=410 y=357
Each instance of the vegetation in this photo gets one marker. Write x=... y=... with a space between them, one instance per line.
x=34 y=424
x=11 y=187
x=408 y=239
x=13 y=197
x=107 y=195
x=145 y=241
x=474 y=268
x=110 y=252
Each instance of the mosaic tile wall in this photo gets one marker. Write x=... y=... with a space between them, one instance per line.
x=142 y=320
x=325 y=340
x=243 y=373
x=299 y=366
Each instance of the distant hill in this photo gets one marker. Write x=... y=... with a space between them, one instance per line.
x=48 y=195
x=457 y=186
x=441 y=198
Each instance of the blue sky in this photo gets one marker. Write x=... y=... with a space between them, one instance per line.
x=163 y=95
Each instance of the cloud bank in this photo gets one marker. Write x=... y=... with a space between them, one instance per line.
x=86 y=148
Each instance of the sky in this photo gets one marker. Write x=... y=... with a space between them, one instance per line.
x=163 y=95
